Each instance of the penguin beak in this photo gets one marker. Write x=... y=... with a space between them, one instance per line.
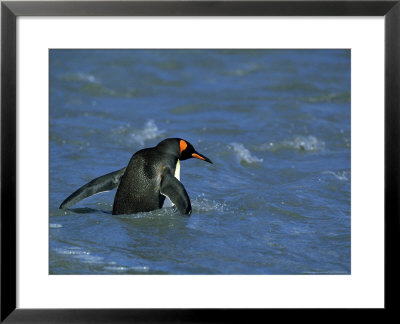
x=201 y=157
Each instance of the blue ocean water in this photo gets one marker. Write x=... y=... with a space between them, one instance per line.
x=276 y=124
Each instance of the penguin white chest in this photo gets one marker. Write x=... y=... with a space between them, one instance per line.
x=178 y=170
x=177 y=174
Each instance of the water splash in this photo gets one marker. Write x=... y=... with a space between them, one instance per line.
x=244 y=154
x=203 y=204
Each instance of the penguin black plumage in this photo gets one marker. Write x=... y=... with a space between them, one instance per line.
x=147 y=180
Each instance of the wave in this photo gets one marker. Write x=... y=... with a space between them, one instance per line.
x=150 y=131
x=339 y=97
x=299 y=143
x=55 y=226
x=94 y=86
x=79 y=77
x=243 y=154
x=340 y=175
x=108 y=267
x=124 y=269
x=78 y=252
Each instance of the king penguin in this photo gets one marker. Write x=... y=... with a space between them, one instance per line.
x=152 y=175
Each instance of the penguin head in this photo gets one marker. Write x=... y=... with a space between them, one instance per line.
x=187 y=151
x=180 y=148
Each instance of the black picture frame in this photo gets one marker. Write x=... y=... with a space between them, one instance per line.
x=10 y=10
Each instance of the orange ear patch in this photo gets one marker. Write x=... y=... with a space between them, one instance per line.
x=183 y=145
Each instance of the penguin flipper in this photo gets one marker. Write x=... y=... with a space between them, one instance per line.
x=175 y=191
x=106 y=182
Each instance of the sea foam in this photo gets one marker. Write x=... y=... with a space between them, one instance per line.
x=243 y=153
